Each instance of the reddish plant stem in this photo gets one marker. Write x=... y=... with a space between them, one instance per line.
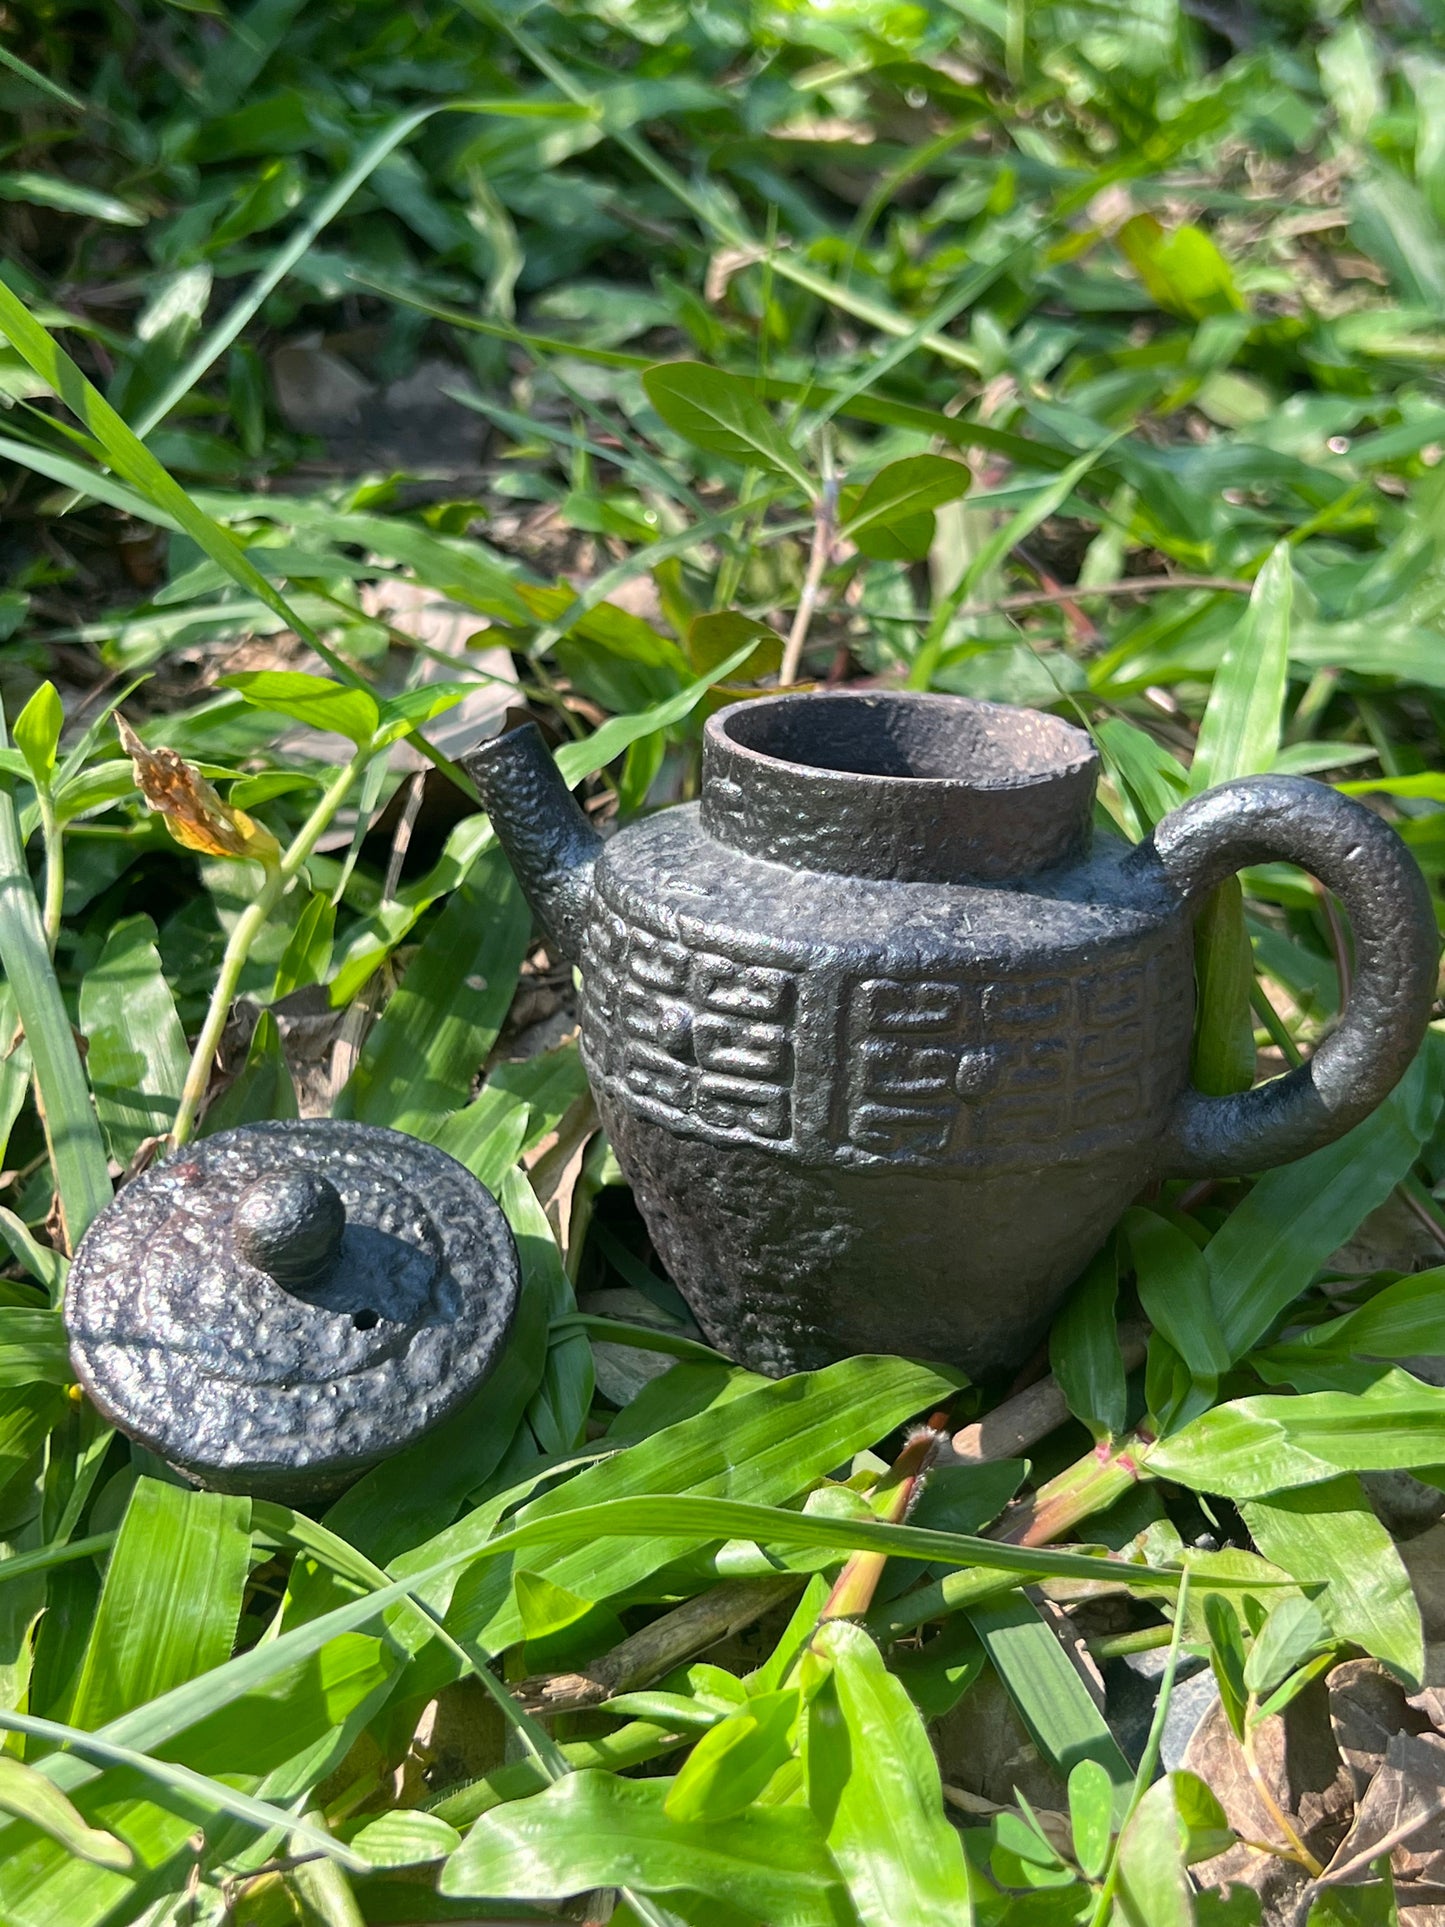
x=893 y=1499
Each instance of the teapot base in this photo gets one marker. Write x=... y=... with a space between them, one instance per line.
x=788 y=1267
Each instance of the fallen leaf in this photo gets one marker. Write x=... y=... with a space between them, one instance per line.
x=1368 y=1707
x=1404 y=1806
x=194 y=814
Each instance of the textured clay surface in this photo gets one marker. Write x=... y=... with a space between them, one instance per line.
x=886 y=1038
x=248 y=1385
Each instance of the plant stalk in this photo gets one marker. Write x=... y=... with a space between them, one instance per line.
x=54 y=864
x=824 y=518
x=1090 y=1486
x=249 y=925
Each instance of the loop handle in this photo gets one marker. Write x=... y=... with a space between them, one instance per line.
x=1354 y=853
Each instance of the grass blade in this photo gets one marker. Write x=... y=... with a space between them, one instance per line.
x=72 y=1131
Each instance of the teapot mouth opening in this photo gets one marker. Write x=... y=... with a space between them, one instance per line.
x=898 y=784
x=908 y=737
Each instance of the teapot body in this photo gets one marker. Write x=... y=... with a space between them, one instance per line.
x=886 y=1036
x=878 y=1115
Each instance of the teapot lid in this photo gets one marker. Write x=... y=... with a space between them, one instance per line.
x=277 y=1307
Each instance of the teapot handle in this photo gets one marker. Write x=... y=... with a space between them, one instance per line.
x=1357 y=855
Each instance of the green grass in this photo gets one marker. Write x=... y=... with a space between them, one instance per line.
x=1078 y=356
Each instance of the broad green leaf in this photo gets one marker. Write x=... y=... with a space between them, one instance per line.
x=734 y=1760
x=77 y=1150
x=1046 y=1689
x=37 y=731
x=1084 y=1350
x=892 y=517
x=1091 y=1816
x=1239 y=735
x=1154 y=1886
x=30 y=1796
x=1172 y=1281
x=595 y=1830
x=521 y=1104
x=1182 y=270
x=800 y=1628
x=873 y=1784
x=136 y=1056
x=210 y=1794
x=14 y=1067
x=307 y=956
x=316 y=701
x=715 y=639
x=43 y=1262
x=1293 y=1633
x=434 y=1034
x=1371 y=1904
x=1328 y=1533
x=1227 y=1658
x=1206 y=1825
x=938 y=1673
x=1254 y=1447
x=1270 y=1247
x=721 y=413
x=171 y=1599
x=404 y=1838
x=616 y=630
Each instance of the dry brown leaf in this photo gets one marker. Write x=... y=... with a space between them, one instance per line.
x=194 y=814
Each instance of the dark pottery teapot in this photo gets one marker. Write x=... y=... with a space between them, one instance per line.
x=885 y=1036
x=276 y=1308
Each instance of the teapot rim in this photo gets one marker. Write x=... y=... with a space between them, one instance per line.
x=719 y=732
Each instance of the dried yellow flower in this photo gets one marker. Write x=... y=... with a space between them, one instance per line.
x=195 y=815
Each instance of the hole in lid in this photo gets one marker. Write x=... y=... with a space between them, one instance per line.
x=365 y=1320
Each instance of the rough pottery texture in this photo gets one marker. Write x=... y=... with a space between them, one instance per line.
x=278 y=1307
x=886 y=1037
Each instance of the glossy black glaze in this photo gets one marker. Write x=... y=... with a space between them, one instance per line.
x=885 y=1040
x=276 y=1308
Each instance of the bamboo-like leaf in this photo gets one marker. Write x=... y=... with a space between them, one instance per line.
x=1051 y=1698
x=1084 y=1350
x=1328 y=1533
x=1239 y=735
x=420 y=1059
x=722 y=413
x=72 y=1130
x=1272 y=1244
x=136 y=1053
x=171 y=1599
x=1172 y=1281
x=874 y=1786
x=595 y=1830
x=1254 y=1447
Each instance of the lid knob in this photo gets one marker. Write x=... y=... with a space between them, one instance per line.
x=289 y=1224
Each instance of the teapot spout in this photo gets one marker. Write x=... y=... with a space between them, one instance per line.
x=549 y=842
